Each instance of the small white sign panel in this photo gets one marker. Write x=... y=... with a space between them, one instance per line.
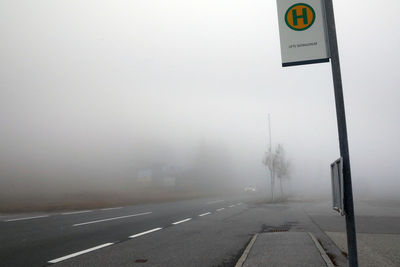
x=302 y=30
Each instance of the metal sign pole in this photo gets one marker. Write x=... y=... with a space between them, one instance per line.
x=343 y=143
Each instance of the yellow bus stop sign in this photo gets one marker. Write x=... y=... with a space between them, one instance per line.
x=300 y=17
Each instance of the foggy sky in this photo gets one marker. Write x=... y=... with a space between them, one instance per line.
x=94 y=89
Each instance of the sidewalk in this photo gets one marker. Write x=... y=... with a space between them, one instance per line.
x=284 y=249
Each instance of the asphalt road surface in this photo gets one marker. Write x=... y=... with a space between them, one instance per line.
x=201 y=232
x=42 y=239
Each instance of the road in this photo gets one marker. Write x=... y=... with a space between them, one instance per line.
x=200 y=232
x=37 y=239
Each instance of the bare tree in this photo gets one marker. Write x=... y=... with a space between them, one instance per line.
x=278 y=166
x=268 y=161
x=281 y=165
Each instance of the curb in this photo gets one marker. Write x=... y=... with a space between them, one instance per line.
x=322 y=251
x=246 y=252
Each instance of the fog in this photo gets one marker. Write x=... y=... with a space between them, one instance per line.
x=105 y=96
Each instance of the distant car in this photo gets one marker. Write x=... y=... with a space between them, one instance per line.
x=250 y=189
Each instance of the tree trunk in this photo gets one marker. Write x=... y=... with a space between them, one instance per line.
x=280 y=183
x=272 y=185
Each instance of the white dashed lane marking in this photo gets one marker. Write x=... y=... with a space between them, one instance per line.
x=76 y=212
x=178 y=222
x=220 y=209
x=204 y=214
x=79 y=253
x=145 y=233
x=26 y=218
x=111 y=219
x=116 y=208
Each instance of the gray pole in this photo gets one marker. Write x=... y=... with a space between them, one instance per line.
x=270 y=154
x=343 y=143
x=269 y=127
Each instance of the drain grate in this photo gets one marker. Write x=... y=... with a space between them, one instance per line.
x=278 y=230
x=275 y=229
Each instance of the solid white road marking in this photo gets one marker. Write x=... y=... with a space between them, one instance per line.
x=76 y=212
x=116 y=208
x=26 y=218
x=114 y=218
x=146 y=232
x=204 y=214
x=185 y=220
x=80 y=253
x=215 y=201
x=220 y=209
x=231 y=206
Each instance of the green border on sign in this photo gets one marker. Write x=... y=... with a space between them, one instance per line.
x=298 y=4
